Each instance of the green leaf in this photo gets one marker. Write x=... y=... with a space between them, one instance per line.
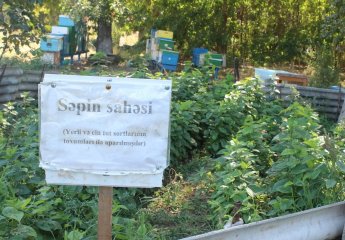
x=244 y=165
x=288 y=151
x=235 y=173
x=279 y=166
x=223 y=130
x=142 y=230
x=25 y=203
x=250 y=192
x=330 y=183
x=3 y=162
x=215 y=147
x=42 y=209
x=257 y=189
x=48 y=225
x=73 y=235
x=313 y=143
x=311 y=175
x=26 y=231
x=286 y=204
x=341 y=166
x=23 y=190
x=283 y=186
x=12 y=213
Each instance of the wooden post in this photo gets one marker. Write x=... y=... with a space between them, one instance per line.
x=105 y=201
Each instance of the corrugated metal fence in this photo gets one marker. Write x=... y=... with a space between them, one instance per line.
x=14 y=81
x=328 y=102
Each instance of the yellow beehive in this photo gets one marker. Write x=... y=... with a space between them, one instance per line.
x=164 y=34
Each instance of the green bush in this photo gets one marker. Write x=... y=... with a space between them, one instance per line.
x=273 y=160
x=29 y=209
x=277 y=165
x=326 y=73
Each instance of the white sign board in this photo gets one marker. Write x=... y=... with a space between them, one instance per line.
x=104 y=131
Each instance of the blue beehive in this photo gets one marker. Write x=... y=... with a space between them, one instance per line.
x=196 y=55
x=65 y=21
x=51 y=43
x=169 y=60
x=65 y=40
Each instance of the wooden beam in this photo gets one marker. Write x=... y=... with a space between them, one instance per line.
x=105 y=202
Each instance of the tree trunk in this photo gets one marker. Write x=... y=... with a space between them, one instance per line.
x=104 y=40
x=4 y=40
x=2 y=18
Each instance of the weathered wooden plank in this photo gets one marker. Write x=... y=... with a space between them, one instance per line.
x=15 y=81
x=315 y=102
x=327 y=109
x=323 y=96
x=332 y=96
x=314 y=89
x=105 y=213
x=4 y=98
x=304 y=89
x=327 y=102
x=8 y=89
x=28 y=87
x=9 y=80
x=331 y=117
x=31 y=78
x=12 y=71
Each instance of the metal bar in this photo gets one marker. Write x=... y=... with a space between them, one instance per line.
x=339 y=100
x=42 y=73
x=3 y=73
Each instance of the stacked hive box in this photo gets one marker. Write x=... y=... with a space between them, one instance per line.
x=160 y=48
x=198 y=56
x=201 y=57
x=52 y=47
x=69 y=34
x=214 y=59
x=63 y=40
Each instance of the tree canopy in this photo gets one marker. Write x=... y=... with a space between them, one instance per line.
x=19 y=23
x=258 y=31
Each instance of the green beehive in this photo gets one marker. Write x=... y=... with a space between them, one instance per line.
x=72 y=40
x=81 y=36
x=214 y=59
x=165 y=44
x=70 y=44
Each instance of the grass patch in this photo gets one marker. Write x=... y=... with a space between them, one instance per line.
x=179 y=209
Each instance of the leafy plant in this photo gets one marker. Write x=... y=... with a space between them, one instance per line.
x=99 y=58
x=19 y=24
x=326 y=73
x=300 y=173
x=184 y=131
x=277 y=165
x=187 y=84
x=222 y=119
x=29 y=209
